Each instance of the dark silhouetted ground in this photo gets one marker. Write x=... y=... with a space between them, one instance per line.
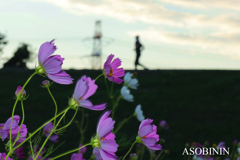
x=199 y=105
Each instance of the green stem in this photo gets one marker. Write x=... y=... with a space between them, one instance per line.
x=112 y=89
x=55 y=103
x=23 y=117
x=86 y=125
x=159 y=155
x=15 y=104
x=129 y=150
x=44 y=143
x=107 y=88
x=162 y=157
x=234 y=149
x=32 y=151
x=71 y=151
x=98 y=77
x=70 y=122
x=115 y=132
x=81 y=127
x=33 y=134
x=115 y=105
x=40 y=128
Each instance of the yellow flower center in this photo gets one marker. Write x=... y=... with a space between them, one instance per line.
x=1 y=127
x=111 y=72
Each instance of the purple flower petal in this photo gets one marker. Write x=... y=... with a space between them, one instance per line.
x=111 y=70
x=148 y=135
x=85 y=103
x=109 y=59
x=99 y=107
x=145 y=130
x=116 y=63
x=109 y=145
x=61 y=78
x=102 y=119
x=52 y=64
x=54 y=138
x=106 y=127
x=92 y=87
x=77 y=156
x=45 y=50
x=80 y=88
x=15 y=122
x=96 y=153
x=3 y=133
x=107 y=156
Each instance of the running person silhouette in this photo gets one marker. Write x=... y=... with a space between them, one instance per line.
x=138 y=48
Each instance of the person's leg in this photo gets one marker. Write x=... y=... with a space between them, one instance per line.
x=137 y=59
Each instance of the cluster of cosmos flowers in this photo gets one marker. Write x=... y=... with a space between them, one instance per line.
x=103 y=143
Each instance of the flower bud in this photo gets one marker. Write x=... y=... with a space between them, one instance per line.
x=167 y=151
x=133 y=156
x=163 y=124
x=46 y=83
x=206 y=144
x=162 y=140
x=134 y=75
x=22 y=95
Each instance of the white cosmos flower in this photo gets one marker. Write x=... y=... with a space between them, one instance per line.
x=195 y=157
x=139 y=113
x=129 y=81
x=125 y=92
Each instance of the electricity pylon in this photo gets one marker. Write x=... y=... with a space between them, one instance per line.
x=96 y=55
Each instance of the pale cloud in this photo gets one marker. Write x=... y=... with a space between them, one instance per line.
x=150 y=12
x=217 y=43
x=205 y=4
x=218 y=34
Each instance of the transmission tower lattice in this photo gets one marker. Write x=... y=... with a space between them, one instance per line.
x=98 y=43
x=97 y=47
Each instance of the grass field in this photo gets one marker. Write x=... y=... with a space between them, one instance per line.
x=199 y=105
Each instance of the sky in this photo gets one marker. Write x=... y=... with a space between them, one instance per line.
x=176 y=34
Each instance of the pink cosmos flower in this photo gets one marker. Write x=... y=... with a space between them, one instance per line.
x=147 y=134
x=84 y=89
x=221 y=145
x=5 y=128
x=111 y=70
x=19 y=152
x=104 y=141
x=51 y=66
x=47 y=130
x=3 y=156
x=77 y=156
x=36 y=149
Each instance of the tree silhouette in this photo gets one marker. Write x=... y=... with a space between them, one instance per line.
x=3 y=42
x=20 y=58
